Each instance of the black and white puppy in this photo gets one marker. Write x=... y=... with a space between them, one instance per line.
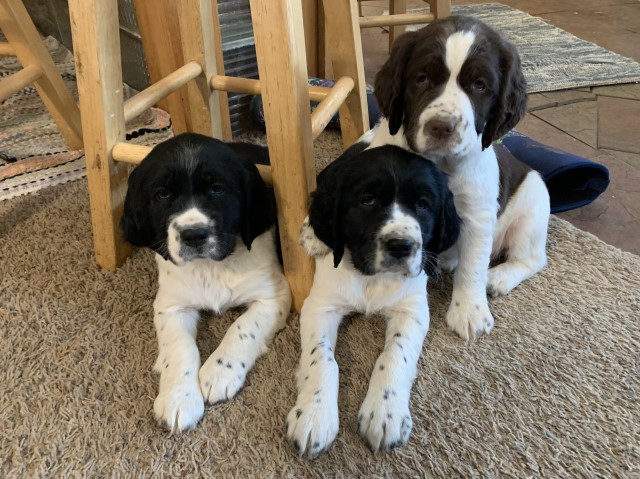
x=377 y=218
x=447 y=92
x=203 y=207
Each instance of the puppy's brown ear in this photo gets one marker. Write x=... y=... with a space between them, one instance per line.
x=390 y=82
x=511 y=104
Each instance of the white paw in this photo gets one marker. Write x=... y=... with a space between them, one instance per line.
x=221 y=378
x=310 y=242
x=384 y=420
x=179 y=407
x=448 y=260
x=312 y=424
x=470 y=318
x=501 y=280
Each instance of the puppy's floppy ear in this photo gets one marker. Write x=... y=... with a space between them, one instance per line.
x=325 y=213
x=135 y=224
x=390 y=82
x=447 y=225
x=511 y=104
x=259 y=203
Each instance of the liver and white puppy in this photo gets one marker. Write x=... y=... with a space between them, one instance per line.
x=447 y=92
x=202 y=206
x=383 y=214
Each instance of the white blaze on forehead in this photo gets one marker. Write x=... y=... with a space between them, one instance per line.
x=457 y=51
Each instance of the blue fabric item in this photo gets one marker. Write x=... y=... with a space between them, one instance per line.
x=572 y=181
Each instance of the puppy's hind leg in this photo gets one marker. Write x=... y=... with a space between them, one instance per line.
x=521 y=232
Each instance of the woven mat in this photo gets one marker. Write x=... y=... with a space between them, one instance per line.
x=33 y=154
x=552 y=58
x=552 y=392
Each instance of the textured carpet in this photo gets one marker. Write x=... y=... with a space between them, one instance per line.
x=552 y=58
x=33 y=153
x=553 y=392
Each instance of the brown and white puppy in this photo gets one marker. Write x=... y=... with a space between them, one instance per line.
x=447 y=92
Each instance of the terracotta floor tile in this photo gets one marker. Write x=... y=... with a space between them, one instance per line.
x=579 y=120
x=619 y=124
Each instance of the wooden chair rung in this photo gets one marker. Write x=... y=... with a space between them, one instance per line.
x=250 y=86
x=139 y=103
x=398 y=19
x=330 y=105
x=133 y=154
x=19 y=80
x=6 y=50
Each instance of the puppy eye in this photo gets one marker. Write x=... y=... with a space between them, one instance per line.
x=216 y=189
x=422 y=203
x=422 y=80
x=479 y=86
x=163 y=194
x=368 y=199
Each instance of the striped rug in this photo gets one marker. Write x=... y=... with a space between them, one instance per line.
x=33 y=154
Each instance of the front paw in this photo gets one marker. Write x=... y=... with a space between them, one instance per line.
x=470 y=318
x=312 y=424
x=221 y=378
x=179 y=407
x=384 y=420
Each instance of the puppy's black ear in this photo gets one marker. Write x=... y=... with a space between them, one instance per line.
x=259 y=204
x=135 y=225
x=325 y=210
x=447 y=226
x=511 y=104
x=390 y=82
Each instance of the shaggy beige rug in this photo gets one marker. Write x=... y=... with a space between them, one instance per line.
x=553 y=392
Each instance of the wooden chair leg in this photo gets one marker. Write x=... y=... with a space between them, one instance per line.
x=96 y=43
x=279 y=39
x=440 y=8
x=396 y=7
x=27 y=45
x=345 y=49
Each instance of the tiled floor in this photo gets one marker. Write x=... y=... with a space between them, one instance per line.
x=600 y=123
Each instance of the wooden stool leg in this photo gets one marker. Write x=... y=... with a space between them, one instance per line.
x=96 y=42
x=23 y=37
x=162 y=41
x=280 y=47
x=199 y=44
x=396 y=7
x=345 y=49
x=440 y=8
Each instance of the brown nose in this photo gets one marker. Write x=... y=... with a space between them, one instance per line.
x=440 y=128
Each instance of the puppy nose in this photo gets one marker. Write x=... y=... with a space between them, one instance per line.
x=399 y=247
x=440 y=128
x=194 y=237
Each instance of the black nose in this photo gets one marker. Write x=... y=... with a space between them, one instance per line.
x=440 y=128
x=399 y=247
x=194 y=237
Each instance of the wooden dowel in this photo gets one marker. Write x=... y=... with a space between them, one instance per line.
x=19 y=80
x=399 y=19
x=6 y=50
x=134 y=154
x=330 y=105
x=139 y=103
x=252 y=87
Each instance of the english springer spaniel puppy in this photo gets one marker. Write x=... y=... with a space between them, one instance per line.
x=203 y=207
x=447 y=92
x=375 y=222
